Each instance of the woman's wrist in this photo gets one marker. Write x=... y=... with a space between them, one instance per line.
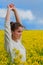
x=14 y=10
x=8 y=9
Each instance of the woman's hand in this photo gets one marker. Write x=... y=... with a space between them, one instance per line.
x=11 y=7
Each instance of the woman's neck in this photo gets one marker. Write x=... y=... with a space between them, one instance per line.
x=14 y=39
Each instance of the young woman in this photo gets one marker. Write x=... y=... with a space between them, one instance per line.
x=13 y=32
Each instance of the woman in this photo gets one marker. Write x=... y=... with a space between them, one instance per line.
x=13 y=32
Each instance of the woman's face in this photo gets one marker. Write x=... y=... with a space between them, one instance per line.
x=17 y=33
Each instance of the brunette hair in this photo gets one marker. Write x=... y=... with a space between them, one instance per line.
x=15 y=25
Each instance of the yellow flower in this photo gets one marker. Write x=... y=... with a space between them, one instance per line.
x=17 y=52
x=13 y=64
x=14 y=49
x=20 y=56
x=32 y=41
x=35 y=63
x=25 y=63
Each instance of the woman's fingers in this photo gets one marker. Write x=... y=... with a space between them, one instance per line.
x=11 y=7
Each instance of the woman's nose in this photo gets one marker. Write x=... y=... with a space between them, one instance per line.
x=20 y=33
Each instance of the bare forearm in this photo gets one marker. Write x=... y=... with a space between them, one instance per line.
x=16 y=15
x=8 y=15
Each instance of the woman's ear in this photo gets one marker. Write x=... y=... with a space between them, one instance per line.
x=12 y=32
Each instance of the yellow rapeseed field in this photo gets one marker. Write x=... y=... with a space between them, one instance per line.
x=32 y=41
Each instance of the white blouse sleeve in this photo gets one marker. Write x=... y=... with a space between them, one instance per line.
x=7 y=35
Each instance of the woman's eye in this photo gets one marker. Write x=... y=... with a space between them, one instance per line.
x=19 y=31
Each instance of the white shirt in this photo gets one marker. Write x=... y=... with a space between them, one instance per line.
x=10 y=44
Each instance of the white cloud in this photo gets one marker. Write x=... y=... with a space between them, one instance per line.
x=40 y=22
x=26 y=14
x=2 y=13
x=22 y=13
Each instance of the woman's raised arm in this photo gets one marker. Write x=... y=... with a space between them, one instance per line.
x=7 y=30
x=8 y=14
x=16 y=14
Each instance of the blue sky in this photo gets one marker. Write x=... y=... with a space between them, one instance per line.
x=30 y=12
